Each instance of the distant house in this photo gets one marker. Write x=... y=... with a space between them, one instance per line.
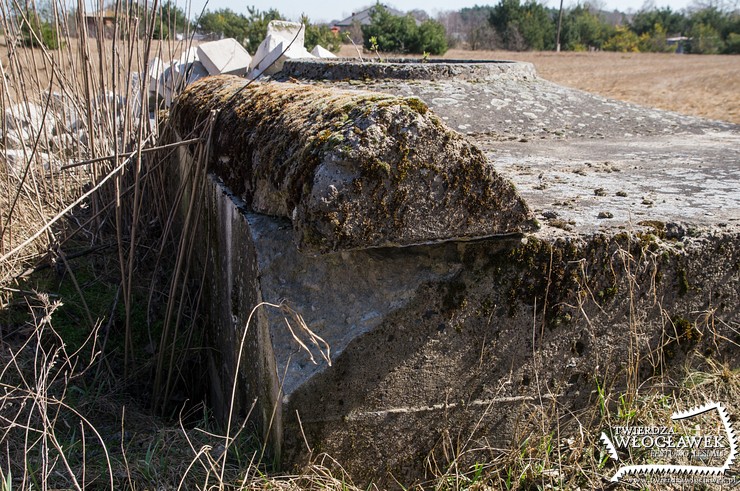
x=101 y=22
x=363 y=17
x=679 y=42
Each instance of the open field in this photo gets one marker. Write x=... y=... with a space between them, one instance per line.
x=700 y=85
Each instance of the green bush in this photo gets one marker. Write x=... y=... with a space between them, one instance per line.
x=35 y=32
x=583 y=29
x=248 y=30
x=397 y=34
x=655 y=41
x=705 y=40
x=431 y=38
x=321 y=35
x=732 y=45
x=523 y=26
x=624 y=41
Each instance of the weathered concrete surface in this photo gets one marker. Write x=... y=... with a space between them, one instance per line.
x=572 y=155
x=438 y=349
x=351 y=169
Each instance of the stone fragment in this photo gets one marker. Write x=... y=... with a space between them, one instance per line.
x=287 y=31
x=197 y=71
x=63 y=111
x=266 y=61
x=320 y=52
x=28 y=119
x=267 y=46
x=352 y=170
x=272 y=62
x=156 y=73
x=16 y=138
x=226 y=56
x=16 y=161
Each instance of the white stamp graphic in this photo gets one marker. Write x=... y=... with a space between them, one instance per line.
x=664 y=441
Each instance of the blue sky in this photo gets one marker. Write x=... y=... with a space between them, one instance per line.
x=328 y=10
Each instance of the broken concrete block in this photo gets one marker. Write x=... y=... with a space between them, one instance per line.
x=63 y=111
x=267 y=46
x=196 y=72
x=226 y=56
x=288 y=31
x=174 y=75
x=17 y=160
x=155 y=72
x=267 y=60
x=136 y=97
x=352 y=170
x=320 y=52
x=273 y=52
x=189 y=56
x=30 y=118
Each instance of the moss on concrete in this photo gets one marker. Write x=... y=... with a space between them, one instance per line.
x=351 y=169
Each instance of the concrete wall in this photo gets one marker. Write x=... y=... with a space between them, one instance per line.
x=441 y=348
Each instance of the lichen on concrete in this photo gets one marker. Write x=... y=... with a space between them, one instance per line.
x=351 y=169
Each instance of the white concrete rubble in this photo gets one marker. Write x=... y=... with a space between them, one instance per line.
x=155 y=72
x=226 y=56
x=29 y=117
x=287 y=30
x=321 y=52
x=270 y=56
x=197 y=71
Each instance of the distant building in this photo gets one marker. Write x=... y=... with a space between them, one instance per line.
x=101 y=22
x=679 y=42
x=363 y=17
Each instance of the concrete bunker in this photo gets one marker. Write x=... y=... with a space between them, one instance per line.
x=460 y=341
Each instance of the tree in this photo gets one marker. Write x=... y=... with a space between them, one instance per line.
x=624 y=40
x=522 y=27
x=37 y=32
x=225 y=23
x=320 y=34
x=391 y=33
x=249 y=31
x=705 y=40
x=430 y=38
x=256 y=26
x=170 y=19
x=478 y=31
x=655 y=41
x=400 y=34
x=645 y=21
x=582 y=29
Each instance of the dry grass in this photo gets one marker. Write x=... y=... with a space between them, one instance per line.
x=698 y=85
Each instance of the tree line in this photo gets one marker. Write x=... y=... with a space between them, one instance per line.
x=519 y=26
x=509 y=25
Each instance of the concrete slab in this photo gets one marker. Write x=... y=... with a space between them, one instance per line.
x=287 y=31
x=352 y=170
x=197 y=71
x=273 y=52
x=156 y=74
x=435 y=345
x=320 y=52
x=226 y=56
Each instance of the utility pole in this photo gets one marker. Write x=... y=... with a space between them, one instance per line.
x=560 y=23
